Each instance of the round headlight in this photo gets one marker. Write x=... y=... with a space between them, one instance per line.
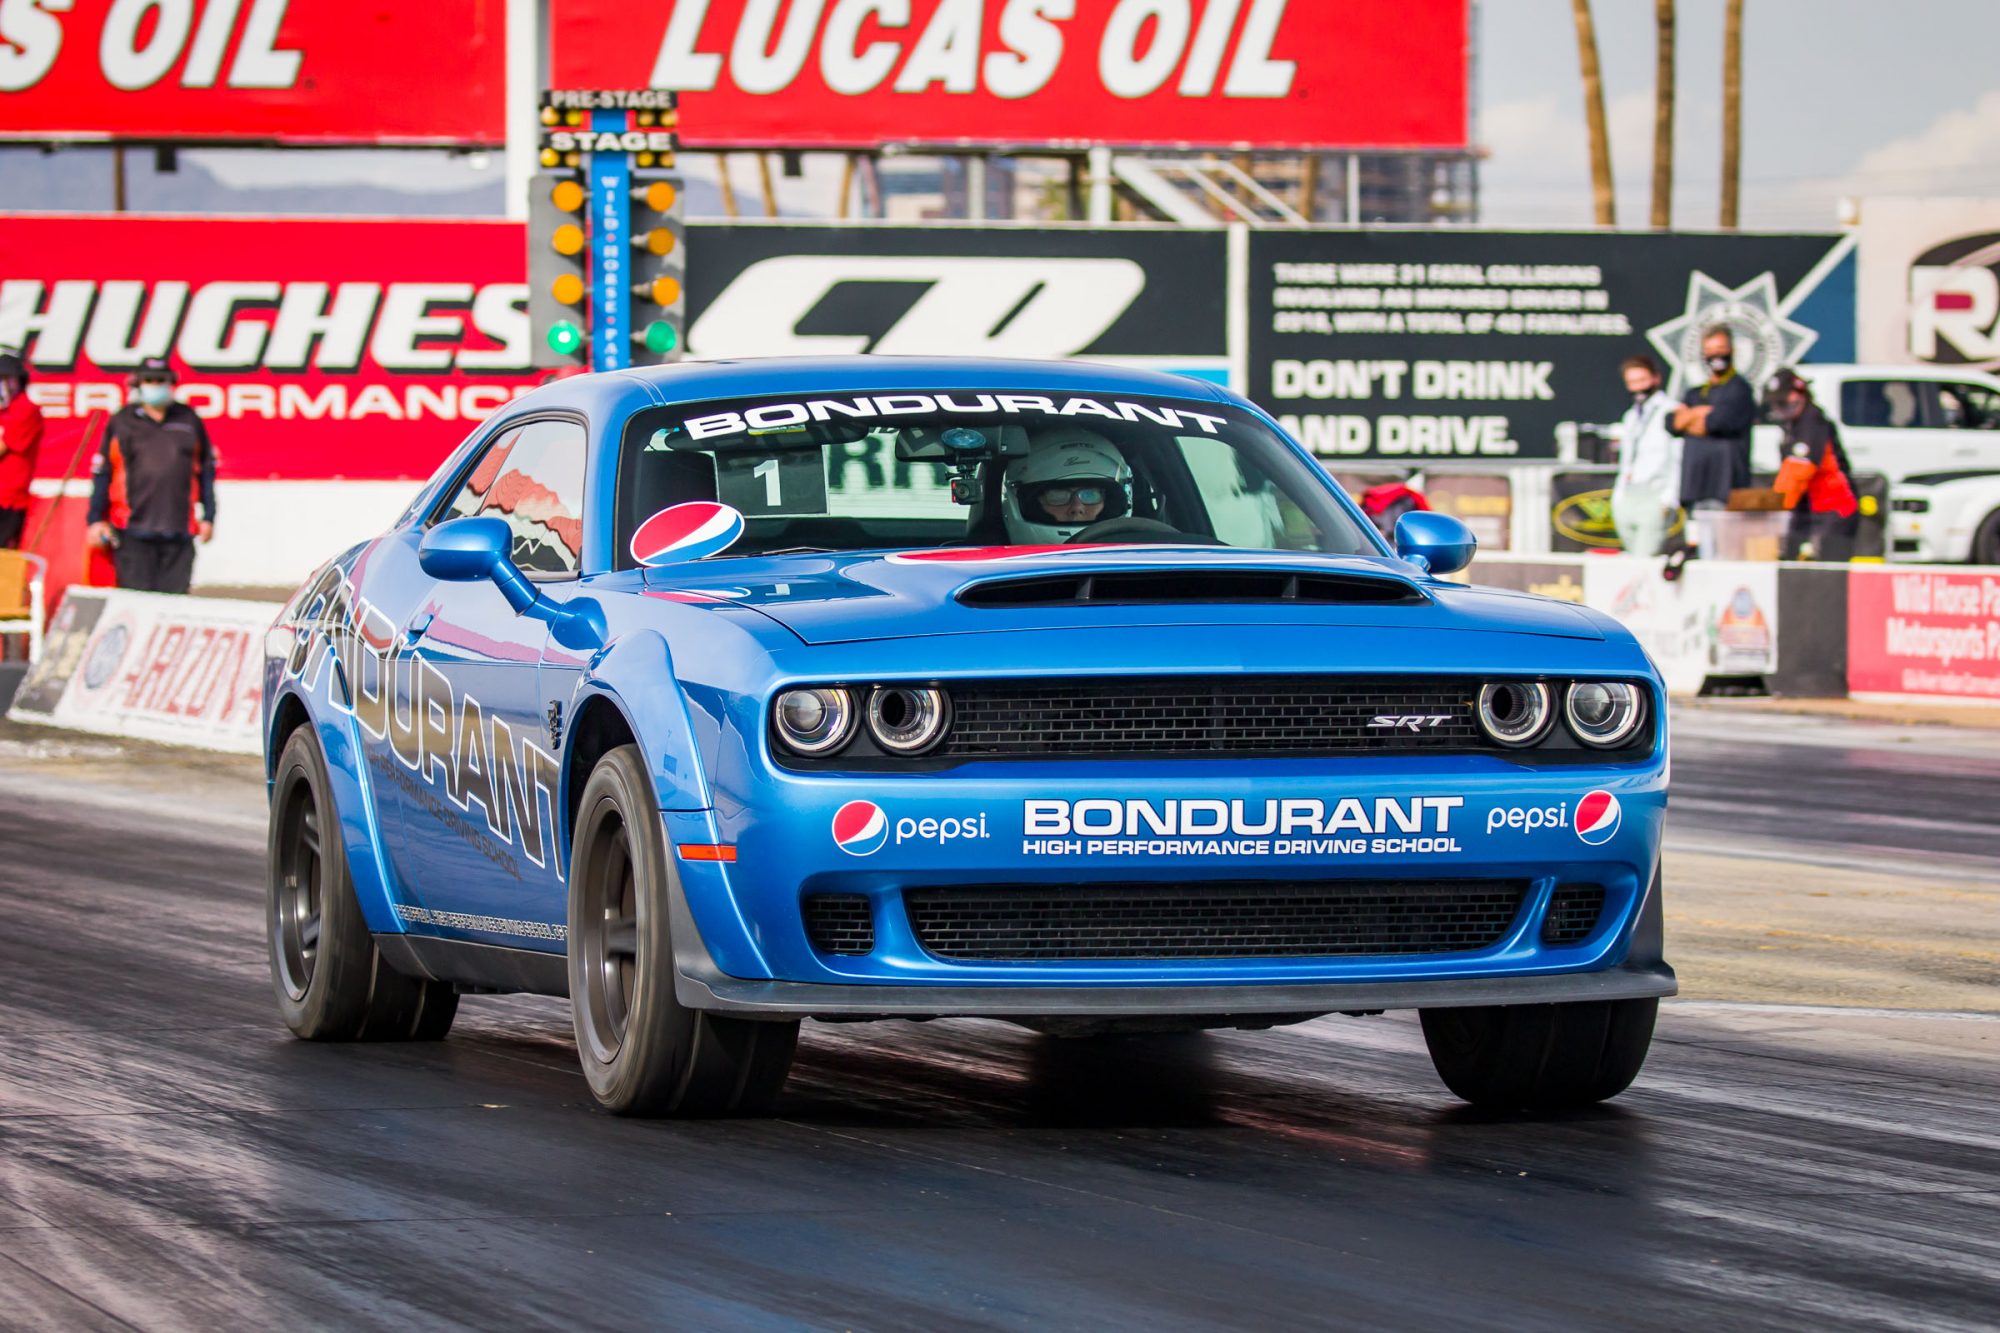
x=1603 y=712
x=907 y=720
x=815 y=721
x=1514 y=712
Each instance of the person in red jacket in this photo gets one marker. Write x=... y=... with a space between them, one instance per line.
x=156 y=469
x=1814 y=477
x=20 y=440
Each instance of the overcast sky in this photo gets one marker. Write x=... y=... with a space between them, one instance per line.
x=1840 y=98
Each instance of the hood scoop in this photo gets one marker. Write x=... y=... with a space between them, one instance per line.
x=1190 y=587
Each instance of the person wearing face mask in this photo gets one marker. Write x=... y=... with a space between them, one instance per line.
x=1647 y=493
x=20 y=440
x=1815 y=479
x=1714 y=426
x=156 y=469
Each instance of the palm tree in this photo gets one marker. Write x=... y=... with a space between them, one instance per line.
x=1593 y=109
x=1732 y=111
x=1663 y=114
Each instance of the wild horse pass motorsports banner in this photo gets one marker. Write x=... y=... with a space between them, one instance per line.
x=1426 y=346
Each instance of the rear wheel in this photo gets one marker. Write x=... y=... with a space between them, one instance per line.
x=643 y=1051
x=1540 y=1057
x=1986 y=542
x=330 y=980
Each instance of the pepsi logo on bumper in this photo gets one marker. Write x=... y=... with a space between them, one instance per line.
x=1597 y=817
x=686 y=532
x=860 y=828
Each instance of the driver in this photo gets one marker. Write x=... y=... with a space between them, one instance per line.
x=1072 y=477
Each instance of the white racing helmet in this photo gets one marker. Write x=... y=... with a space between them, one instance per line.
x=1064 y=458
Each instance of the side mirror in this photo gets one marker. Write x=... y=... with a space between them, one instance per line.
x=1438 y=542
x=466 y=550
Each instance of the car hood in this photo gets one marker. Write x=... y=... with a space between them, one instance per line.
x=851 y=597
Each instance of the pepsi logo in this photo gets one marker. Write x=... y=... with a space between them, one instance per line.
x=686 y=532
x=1597 y=818
x=860 y=828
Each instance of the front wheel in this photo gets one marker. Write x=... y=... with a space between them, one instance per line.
x=644 y=1053
x=1986 y=542
x=1540 y=1057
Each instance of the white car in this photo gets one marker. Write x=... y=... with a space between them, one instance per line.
x=1947 y=519
x=1934 y=432
x=1905 y=422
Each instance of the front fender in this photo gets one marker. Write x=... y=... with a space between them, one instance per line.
x=636 y=675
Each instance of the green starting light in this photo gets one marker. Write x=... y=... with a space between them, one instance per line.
x=565 y=338
x=659 y=337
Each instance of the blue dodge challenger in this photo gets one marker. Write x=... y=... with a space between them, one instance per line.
x=720 y=696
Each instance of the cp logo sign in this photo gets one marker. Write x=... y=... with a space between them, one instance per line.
x=970 y=305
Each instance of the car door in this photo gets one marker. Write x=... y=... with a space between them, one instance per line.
x=1893 y=425
x=477 y=847
x=1971 y=413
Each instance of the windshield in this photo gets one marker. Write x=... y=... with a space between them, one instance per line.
x=911 y=470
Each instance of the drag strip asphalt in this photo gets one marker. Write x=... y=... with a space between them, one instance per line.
x=170 y=1158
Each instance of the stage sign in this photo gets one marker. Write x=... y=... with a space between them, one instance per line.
x=855 y=73
x=254 y=71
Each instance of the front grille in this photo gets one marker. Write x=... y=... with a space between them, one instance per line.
x=1250 y=715
x=1231 y=920
x=839 y=923
x=1573 y=913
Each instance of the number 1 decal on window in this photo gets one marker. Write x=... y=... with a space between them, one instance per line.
x=768 y=470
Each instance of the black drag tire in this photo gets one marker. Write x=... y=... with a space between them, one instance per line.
x=643 y=1052
x=1540 y=1057
x=1986 y=542
x=330 y=979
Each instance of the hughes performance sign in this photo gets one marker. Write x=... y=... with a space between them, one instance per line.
x=1418 y=347
x=315 y=349
x=854 y=73
x=285 y=71
x=360 y=349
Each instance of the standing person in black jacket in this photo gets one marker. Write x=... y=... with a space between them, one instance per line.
x=1714 y=425
x=157 y=466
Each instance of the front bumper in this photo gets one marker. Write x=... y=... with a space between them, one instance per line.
x=699 y=984
x=745 y=948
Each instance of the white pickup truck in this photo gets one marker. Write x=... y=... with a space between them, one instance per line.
x=1934 y=431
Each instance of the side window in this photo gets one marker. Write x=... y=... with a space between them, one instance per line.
x=1896 y=404
x=1244 y=508
x=1968 y=407
x=533 y=478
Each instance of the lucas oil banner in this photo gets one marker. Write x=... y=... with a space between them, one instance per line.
x=857 y=73
x=255 y=71
x=1421 y=347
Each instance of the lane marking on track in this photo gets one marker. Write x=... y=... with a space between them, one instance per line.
x=1825 y=1010
x=1874 y=860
